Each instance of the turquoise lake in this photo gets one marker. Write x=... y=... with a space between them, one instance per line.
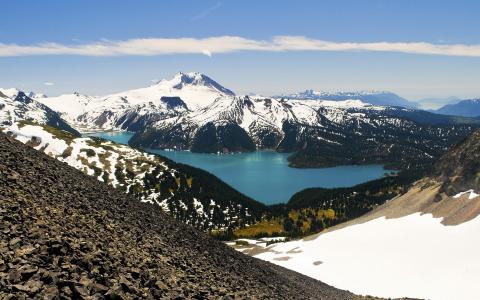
x=264 y=175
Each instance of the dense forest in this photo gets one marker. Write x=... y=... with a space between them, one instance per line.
x=314 y=209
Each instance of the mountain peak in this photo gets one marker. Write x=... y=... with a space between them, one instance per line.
x=181 y=80
x=10 y=93
x=194 y=78
x=34 y=95
x=464 y=108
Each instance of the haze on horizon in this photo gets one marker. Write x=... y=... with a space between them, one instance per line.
x=426 y=49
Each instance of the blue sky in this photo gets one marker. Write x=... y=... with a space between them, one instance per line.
x=273 y=68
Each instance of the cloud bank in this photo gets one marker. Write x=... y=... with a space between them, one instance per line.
x=228 y=44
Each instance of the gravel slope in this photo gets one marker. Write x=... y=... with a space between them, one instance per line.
x=63 y=233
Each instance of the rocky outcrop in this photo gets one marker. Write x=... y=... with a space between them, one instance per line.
x=459 y=168
x=66 y=235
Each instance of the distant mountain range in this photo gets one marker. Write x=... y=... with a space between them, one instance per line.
x=433 y=103
x=465 y=108
x=133 y=109
x=383 y=98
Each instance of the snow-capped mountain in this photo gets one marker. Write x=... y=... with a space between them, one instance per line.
x=69 y=106
x=34 y=95
x=321 y=133
x=373 y=97
x=185 y=91
x=465 y=108
x=258 y=122
x=15 y=106
x=192 y=111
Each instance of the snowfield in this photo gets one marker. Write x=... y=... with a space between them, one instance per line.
x=103 y=112
x=12 y=110
x=414 y=256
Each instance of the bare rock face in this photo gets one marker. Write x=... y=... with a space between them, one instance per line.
x=459 y=168
x=66 y=235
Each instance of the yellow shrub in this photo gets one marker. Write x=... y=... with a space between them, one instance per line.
x=189 y=182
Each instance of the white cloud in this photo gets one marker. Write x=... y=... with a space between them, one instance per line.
x=48 y=83
x=228 y=44
x=207 y=53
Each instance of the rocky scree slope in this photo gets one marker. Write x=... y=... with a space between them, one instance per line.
x=67 y=234
x=188 y=194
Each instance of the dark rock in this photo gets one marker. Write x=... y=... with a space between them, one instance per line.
x=49 y=293
x=31 y=286
x=59 y=245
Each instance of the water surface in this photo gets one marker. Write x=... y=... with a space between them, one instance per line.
x=264 y=175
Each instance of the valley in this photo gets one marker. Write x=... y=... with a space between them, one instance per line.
x=263 y=175
x=256 y=182
x=371 y=170
x=230 y=150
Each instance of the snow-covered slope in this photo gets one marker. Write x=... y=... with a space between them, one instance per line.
x=195 y=89
x=69 y=106
x=422 y=244
x=413 y=256
x=322 y=132
x=15 y=106
x=262 y=118
x=373 y=97
x=185 y=91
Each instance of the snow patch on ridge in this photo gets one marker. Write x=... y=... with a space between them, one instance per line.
x=471 y=195
x=45 y=140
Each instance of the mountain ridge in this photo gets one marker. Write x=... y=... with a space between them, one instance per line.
x=16 y=105
x=465 y=108
x=384 y=98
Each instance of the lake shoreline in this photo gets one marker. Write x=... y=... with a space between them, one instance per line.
x=264 y=175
